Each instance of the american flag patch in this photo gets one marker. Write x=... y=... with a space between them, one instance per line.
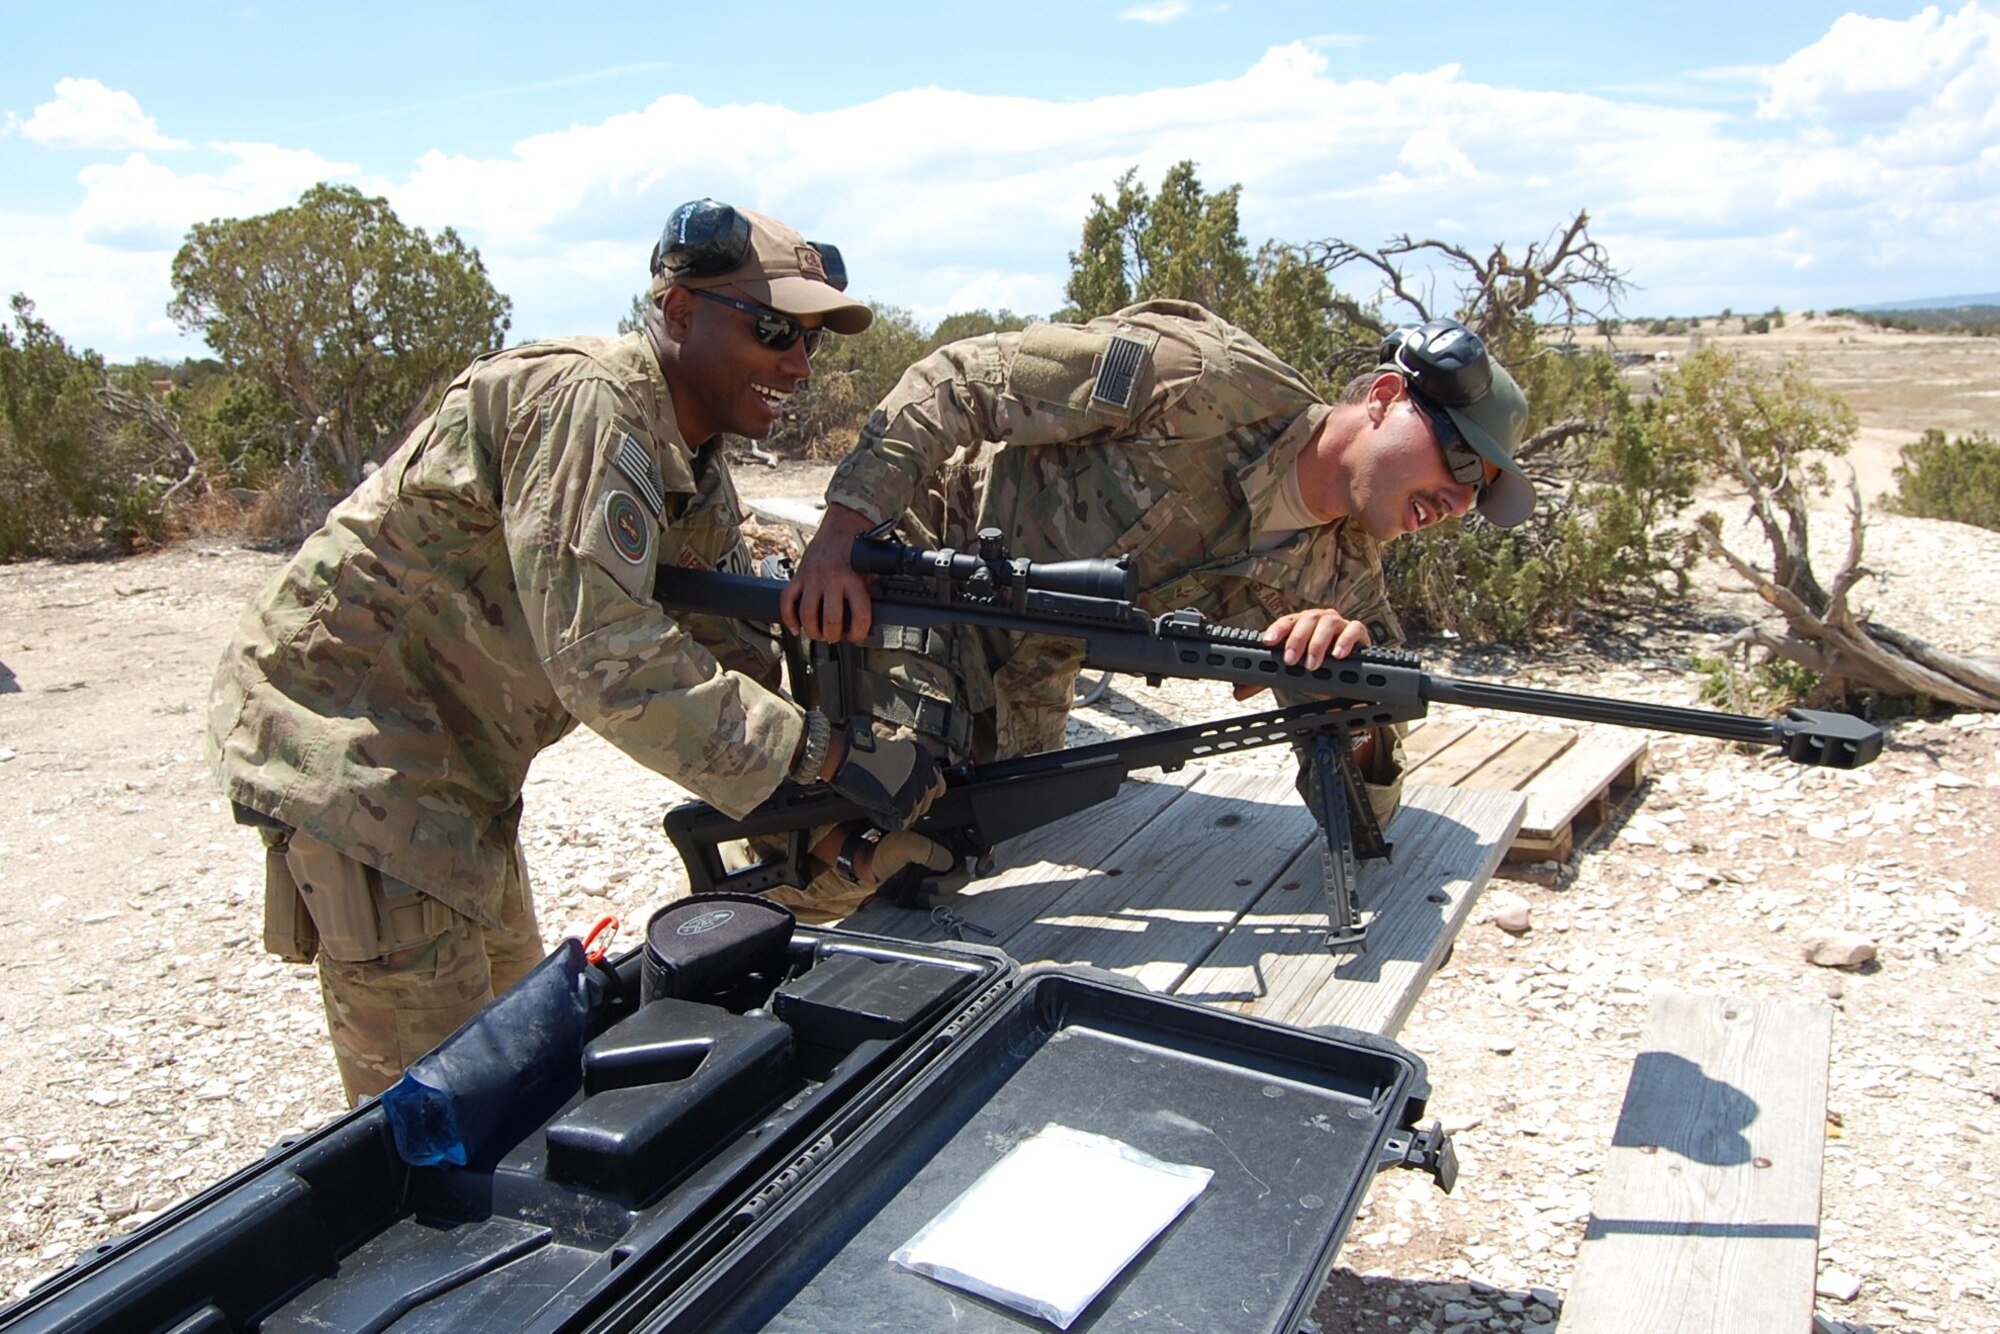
x=633 y=460
x=1119 y=374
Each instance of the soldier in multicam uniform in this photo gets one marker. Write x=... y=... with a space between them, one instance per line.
x=1166 y=434
x=488 y=588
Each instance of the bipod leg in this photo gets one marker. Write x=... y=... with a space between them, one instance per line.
x=1330 y=768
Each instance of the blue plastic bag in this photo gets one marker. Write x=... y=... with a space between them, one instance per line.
x=509 y=1068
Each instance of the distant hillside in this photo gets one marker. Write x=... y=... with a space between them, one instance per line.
x=1933 y=303
x=1955 y=314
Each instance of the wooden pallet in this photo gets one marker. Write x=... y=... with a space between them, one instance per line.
x=1573 y=779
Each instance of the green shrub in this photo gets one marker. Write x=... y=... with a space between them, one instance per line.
x=59 y=484
x=1766 y=688
x=1957 y=480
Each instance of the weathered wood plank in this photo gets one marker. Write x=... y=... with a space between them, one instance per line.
x=1516 y=767
x=1033 y=871
x=1172 y=892
x=1427 y=739
x=1555 y=847
x=1449 y=767
x=1216 y=893
x=1448 y=842
x=1578 y=777
x=1707 y=1216
x=801 y=513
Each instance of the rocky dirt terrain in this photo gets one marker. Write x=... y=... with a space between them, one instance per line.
x=151 y=1047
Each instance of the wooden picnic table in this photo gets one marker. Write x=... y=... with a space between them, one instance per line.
x=1208 y=884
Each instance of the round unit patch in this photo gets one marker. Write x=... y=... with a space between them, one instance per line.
x=625 y=525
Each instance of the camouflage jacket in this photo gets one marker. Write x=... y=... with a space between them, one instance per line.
x=484 y=590
x=1160 y=432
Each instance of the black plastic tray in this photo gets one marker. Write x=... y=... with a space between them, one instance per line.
x=336 y=1233
x=1292 y=1123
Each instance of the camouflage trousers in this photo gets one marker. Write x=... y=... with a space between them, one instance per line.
x=399 y=971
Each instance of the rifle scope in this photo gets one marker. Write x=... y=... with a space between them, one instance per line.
x=992 y=566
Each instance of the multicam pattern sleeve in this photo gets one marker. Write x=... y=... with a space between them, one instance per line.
x=574 y=520
x=1049 y=384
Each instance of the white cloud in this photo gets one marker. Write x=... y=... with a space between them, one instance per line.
x=1429 y=151
x=1337 y=41
x=102 y=276
x=1868 y=70
x=138 y=204
x=943 y=200
x=112 y=301
x=1157 y=11
x=86 y=114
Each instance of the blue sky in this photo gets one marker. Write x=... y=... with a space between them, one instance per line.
x=1803 y=155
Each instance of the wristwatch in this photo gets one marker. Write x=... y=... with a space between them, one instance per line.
x=867 y=836
x=812 y=755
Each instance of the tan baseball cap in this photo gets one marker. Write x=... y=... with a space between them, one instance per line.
x=777 y=267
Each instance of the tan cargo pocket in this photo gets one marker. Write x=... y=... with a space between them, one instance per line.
x=288 y=928
x=358 y=913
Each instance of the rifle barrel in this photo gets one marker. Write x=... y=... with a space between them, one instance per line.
x=1587 y=708
x=1809 y=736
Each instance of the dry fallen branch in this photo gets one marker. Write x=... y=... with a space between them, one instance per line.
x=1850 y=654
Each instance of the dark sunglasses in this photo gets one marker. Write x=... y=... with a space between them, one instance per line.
x=773 y=328
x=1466 y=466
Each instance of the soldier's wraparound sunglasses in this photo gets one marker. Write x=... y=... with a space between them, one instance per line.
x=1466 y=466
x=773 y=328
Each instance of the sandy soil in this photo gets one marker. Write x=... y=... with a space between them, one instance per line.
x=1898 y=384
x=151 y=1047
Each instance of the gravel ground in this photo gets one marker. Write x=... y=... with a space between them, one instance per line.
x=151 y=1047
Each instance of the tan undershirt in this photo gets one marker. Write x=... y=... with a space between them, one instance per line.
x=1288 y=514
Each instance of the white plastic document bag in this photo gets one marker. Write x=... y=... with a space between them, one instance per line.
x=1052 y=1223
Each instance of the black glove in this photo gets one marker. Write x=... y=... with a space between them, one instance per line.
x=896 y=780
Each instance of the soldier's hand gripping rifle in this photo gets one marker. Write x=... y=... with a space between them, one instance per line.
x=1090 y=600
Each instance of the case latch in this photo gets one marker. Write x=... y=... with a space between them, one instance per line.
x=1426 y=1148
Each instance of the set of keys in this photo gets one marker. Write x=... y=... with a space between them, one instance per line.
x=957 y=923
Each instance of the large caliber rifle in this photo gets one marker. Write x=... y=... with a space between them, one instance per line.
x=1091 y=601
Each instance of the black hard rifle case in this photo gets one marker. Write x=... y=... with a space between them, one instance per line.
x=749 y=1160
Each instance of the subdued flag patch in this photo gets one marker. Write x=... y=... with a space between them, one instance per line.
x=1119 y=373
x=637 y=464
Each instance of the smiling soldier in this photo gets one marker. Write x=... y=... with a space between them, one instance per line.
x=488 y=588
x=1168 y=435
